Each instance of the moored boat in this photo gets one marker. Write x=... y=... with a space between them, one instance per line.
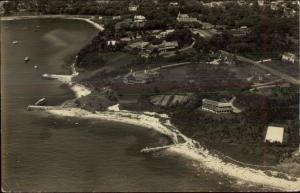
x=41 y=101
x=26 y=59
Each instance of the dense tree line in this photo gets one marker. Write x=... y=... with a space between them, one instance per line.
x=268 y=35
x=89 y=55
x=182 y=36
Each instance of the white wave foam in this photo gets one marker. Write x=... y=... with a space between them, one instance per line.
x=187 y=149
x=113 y=108
x=78 y=89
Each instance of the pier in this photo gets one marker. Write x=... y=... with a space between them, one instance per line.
x=155 y=149
x=41 y=108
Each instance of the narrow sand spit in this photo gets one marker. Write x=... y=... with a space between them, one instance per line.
x=78 y=89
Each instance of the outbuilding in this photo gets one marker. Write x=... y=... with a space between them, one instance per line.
x=275 y=134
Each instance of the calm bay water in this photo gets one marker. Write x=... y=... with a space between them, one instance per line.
x=44 y=153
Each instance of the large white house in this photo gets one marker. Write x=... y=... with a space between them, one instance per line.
x=261 y=2
x=219 y=107
x=163 y=34
x=132 y=8
x=289 y=57
x=185 y=18
x=139 y=19
x=111 y=42
x=165 y=46
x=174 y=3
x=118 y=17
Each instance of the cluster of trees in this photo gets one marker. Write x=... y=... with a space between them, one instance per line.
x=182 y=36
x=11 y=6
x=210 y=78
x=89 y=56
x=89 y=7
x=208 y=126
x=91 y=60
x=97 y=101
x=267 y=36
x=232 y=13
x=264 y=110
x=247 y=128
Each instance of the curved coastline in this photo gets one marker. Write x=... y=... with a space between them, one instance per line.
x=188 y=148
x=74 y=17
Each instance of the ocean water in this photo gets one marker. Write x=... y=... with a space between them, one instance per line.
x=45 y=153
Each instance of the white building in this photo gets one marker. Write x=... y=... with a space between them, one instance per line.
x=185 y=18
x=101 y=2
x=138 y=45
x=289 y=57
x=163 y=34
x=111 y=42
x=274 y=5
x=261 y=2
x=132 y=8
x=242 y=31
x=219 y=107
x=166 y=46
x=139 y=19
x=274 y=134
x=118 y=17
x=173 y=4
x=214 y=4
x=206 y=25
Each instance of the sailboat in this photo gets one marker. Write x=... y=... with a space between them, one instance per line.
x=15 y=42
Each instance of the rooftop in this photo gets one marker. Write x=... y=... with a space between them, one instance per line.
x=139 y=17
x=216 y=103
x=274 y=134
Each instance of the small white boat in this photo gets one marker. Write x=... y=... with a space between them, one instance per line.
x=26 y=59
x=41 y=101
x=35 y=66
x=15 y=42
